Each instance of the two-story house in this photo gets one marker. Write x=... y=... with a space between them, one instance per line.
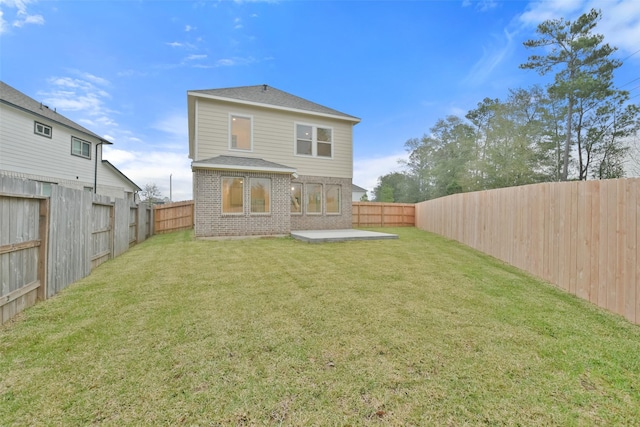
x=266 y=162
x=40 y=144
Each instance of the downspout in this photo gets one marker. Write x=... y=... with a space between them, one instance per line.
x=95 y=169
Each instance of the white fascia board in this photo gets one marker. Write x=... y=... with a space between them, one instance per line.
x=199 y=165
x=353 y=120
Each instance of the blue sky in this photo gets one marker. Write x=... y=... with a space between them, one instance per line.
x=123 y=68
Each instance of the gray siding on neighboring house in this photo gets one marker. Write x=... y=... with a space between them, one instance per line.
x=27 y=155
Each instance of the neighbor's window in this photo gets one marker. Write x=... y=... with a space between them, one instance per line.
x=232 y=195
x=42 y=129
x=296 y=198
x=241 y=137
x=260 y=195
x=80 y=148
x=314 y=141
x=314 y=198
x=332 y=199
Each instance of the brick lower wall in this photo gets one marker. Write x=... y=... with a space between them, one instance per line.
x=210 y=222
x=324 y=221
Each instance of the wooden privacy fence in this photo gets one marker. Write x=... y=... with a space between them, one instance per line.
x=23 y=246
x=47 y=243
x=373 y=214
x=581 y=236
x=173 y=217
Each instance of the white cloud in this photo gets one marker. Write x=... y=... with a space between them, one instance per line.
x=3 y=23
x=77 y=94
x=492 y=57
x=481 y=5
x=175 y=125
x=195 y=57
x=21 y=18
x=155 y=168
x=367 y=171
x=188 y=28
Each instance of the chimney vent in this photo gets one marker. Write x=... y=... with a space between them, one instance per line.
x=264 y=88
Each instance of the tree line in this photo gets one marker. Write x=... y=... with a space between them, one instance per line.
x=576 y=128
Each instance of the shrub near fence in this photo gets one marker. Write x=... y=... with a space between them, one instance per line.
x=581 y=236
x=374 y=214
x=47 y=243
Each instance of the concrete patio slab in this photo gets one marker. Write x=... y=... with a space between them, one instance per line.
x=321 y=236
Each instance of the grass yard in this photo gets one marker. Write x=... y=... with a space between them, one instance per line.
x=415 y=331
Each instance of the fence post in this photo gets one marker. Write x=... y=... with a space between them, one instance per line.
x=43 y=230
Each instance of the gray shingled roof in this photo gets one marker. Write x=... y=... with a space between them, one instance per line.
x=15 y=98
x=242 y=163
x=357 y=188
x=267 y=95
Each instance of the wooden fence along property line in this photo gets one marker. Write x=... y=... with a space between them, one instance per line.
x=581 y=236
x=173 y=217
x=49 y=242
x=374 y=214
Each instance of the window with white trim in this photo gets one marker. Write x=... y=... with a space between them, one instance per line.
x=315 y=141
x=80 y=148
x=240 y=133
x=332 y=199
x=260 y=195
x=42 y=129
x=232 y=195
x=314 y=199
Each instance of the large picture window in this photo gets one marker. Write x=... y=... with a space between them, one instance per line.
x=80 y=148
x=332 y=199
x=241 y=137
x=296 y=198
x=232 y=195
x=314 y=198
x=314 y=141
x=260 y=195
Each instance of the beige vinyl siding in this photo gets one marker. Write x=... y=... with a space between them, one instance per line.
x=273 y=138
x=26 y=154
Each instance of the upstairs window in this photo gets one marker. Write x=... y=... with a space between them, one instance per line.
x=315 y=141
x=80 y=148
x=42 y=129
x=240 y=135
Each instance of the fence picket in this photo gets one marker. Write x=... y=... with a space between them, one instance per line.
x=581 y=236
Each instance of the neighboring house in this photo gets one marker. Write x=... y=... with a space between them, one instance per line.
x=357 y=193
x=40 y=144
x=266 y=162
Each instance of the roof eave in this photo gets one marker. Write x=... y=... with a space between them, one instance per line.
x=354 y=120
x=204 y=165
x=42 y=116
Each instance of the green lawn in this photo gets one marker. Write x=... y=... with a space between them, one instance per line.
x=415 y=331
